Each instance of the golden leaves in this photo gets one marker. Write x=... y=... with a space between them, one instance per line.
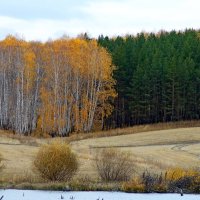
x=73 y=77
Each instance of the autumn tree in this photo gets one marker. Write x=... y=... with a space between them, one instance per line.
x=56 y=88
x=78 y=81
x=18 y=74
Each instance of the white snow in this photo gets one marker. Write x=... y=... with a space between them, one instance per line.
x=55 y=195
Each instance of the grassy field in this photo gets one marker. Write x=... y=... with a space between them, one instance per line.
x=153 y=150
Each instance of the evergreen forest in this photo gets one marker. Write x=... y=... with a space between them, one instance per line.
x=157 y=77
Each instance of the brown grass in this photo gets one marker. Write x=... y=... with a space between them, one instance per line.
x=156 y=147
x=155 y=150
x=134 y=129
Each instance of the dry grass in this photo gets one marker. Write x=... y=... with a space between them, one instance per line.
x=23 y=177
x=17 y=159
x=155 y=150
x=7 y=137
x=134 y=129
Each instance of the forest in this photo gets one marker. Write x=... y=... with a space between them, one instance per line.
x=157 y=77
x=55 y=88
x=84 y=84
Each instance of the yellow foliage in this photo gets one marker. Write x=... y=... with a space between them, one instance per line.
x=87 y=67
x=11 y=41
x=56 y=162
x=72 y=76
x=177 y=173
x=29 y=58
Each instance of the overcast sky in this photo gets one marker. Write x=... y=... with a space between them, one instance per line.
x=45 y=19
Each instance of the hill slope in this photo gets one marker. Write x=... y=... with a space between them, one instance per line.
x=154 y=150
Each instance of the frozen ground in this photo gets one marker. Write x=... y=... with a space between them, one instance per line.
x=47 y=195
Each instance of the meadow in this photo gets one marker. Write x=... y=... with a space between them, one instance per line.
x=151 y=149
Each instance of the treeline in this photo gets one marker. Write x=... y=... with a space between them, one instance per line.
x=68 y=85
x=157 y=77
x=56 y=88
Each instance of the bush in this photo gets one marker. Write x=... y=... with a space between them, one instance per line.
x=152 y=182
x=174 y=180
x=178 y=173
x=56 y=162
x=114 y=165
x=179 y=178
x=147 y=182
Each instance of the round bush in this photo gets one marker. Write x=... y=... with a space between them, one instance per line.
x=56 y=162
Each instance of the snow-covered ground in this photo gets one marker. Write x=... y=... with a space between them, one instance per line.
x=47 y=195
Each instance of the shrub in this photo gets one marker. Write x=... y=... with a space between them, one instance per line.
x=179 y=178
x=178 y=173
x=152 y=182
x=56 y=162
x=174 y=180
x=114 y=165
x=147 y=182
x=196 y=184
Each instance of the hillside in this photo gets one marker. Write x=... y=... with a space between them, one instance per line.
x=153 y=150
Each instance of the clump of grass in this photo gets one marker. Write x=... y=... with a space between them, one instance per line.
x=56 y=162
x=25 y=177
x=82 y=183
x=134 y=185
x=1 y=163
x=85 y=183
x=52 y=186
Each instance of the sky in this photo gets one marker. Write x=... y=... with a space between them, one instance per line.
x=50 y=19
